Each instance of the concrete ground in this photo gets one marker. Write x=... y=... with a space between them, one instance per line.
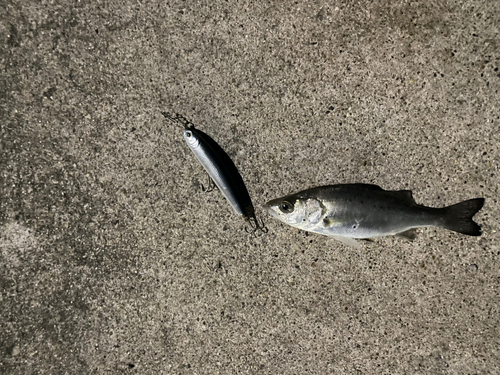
x=112 y=259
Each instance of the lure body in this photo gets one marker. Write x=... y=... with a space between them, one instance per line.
x=221 y=170
x=352 y=211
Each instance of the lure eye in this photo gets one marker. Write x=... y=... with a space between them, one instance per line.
x=286 y=207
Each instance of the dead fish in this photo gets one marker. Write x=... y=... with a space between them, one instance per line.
x=362 y=211
x=221 y=170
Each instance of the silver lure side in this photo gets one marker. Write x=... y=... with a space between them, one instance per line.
x=221 y=170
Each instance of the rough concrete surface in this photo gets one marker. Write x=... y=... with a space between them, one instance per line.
x=112 y=259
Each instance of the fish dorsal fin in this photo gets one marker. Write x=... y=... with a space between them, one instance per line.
x=347 y=240
x=410 y=234
x=405 y=196
x=368 y=186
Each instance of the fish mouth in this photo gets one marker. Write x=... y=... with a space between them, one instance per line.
x=269 y=207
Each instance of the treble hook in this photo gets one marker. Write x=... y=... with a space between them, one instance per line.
x=256 y=225
x=210 y=187
x=178 y=119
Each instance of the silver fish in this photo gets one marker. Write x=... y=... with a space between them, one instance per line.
x=361 y=211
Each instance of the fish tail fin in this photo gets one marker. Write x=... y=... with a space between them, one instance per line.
x=458 y=217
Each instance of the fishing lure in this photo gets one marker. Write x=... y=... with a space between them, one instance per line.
x=221 y=170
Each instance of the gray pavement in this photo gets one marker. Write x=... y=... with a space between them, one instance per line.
x=112 y=259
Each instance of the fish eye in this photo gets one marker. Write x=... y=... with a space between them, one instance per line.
x=188 y=133
x=286 y=207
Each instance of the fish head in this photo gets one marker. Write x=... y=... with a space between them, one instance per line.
x=191 y=137
x=296 y=210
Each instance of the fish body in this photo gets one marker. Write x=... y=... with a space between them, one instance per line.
x=361 y=211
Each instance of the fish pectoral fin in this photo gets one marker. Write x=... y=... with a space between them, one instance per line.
x=347 y=240
x=409 y=234
x=328 y=222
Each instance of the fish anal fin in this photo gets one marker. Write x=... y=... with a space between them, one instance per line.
x=409 y=234
x=347 y=241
